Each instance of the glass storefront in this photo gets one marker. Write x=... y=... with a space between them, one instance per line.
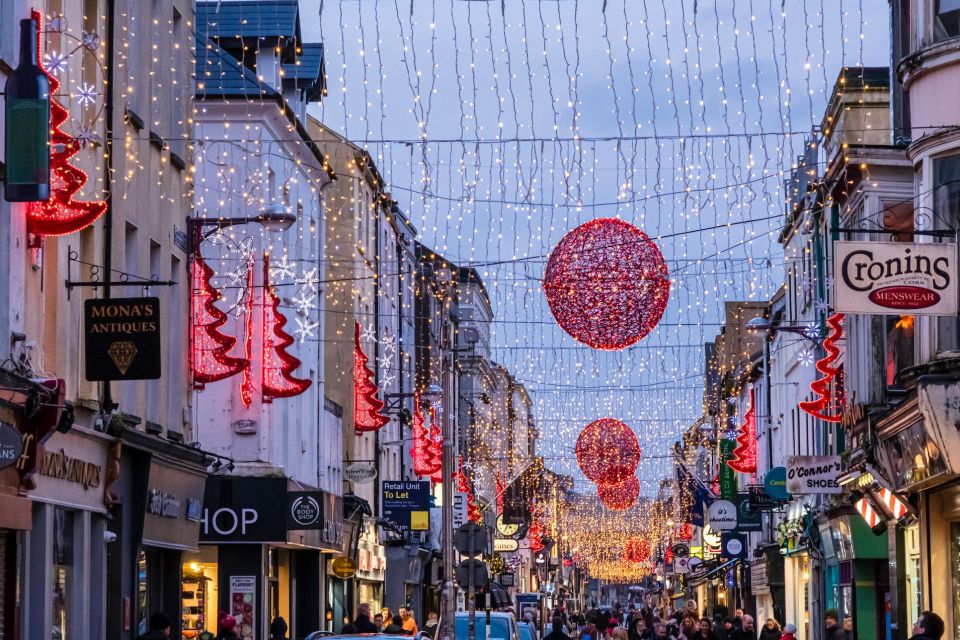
x=912 y=571
x=200 y=592
x=63 y=572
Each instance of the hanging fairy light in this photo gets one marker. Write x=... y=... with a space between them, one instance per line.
x=607 y=284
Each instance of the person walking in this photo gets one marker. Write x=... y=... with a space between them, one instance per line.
x=432 y=625
x=833 y=630
x=770 y=630
x=408 y=623
x=557 y=630
x=228 y=626
x=705 y=632
x=362 y=622
x=789 y=632
x=929 y=626
x=158 y=627
x=278 y=629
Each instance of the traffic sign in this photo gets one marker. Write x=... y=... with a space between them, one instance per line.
x=470 y=540
x=472 y=572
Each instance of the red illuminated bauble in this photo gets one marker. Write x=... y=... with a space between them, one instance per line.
x=637 y=550
x=619 y=496
x=608 y=451
x=607 y=284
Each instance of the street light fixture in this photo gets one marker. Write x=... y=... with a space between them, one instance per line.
x=274 y=217
x=762 y=324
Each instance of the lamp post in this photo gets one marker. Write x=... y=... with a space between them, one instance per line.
x=811 y=333
x=275 y=218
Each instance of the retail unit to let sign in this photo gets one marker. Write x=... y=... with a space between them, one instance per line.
x=407 y=504
x=891 y=278
x=813 y=474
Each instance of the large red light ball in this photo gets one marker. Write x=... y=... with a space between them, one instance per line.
x=619 y=497
x=608 y=451
x=607 y=284
x=637 y=550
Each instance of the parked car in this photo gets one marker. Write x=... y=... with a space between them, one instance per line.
x=503 y=626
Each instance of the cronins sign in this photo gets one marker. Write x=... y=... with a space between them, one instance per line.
x=891 y=278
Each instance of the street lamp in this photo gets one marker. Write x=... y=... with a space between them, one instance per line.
x=274 y=217
x=761 y=323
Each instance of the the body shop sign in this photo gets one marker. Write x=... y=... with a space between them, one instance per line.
x=895 y=278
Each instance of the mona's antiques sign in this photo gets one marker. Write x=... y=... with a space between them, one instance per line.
x=122 y=338
x=891 y=278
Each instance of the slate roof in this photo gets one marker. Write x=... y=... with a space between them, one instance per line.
x=248 y=19
x=308 y=73
x=220 y=74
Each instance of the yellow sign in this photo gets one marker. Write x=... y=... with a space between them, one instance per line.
x=420 y=520
x=343 y=567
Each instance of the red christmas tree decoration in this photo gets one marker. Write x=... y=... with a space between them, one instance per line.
x=608 y=451
x=607 y=284
x=277 y=363
x=499 y=490
x=685 y=532
x=60 y=214
x=829 y=405
x=535 y=536
x=425 y=461
x=246 y=381
x=746 y=450
x=435 y=444
x=210 y=347
x=366 y=405
x=474 y=512
x=619 y=497
x=637 y=550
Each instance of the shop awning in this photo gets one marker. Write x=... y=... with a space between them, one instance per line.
x=712 y=572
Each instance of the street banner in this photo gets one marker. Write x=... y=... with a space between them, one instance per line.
x=893 y=278
x=813 y=475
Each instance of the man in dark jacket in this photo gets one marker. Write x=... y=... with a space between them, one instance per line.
x=929 y=626
x=833 y=631
x=556 y=630
x=362 y=622
x=159 y=627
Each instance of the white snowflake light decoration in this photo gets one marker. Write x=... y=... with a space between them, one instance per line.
x=368 y=334
x=91 y=41
x=86 y=94
x=283 y=268
x=308 y=278
x=805 y=357
x=306 y=328
x=305 y=301
x=55 y=63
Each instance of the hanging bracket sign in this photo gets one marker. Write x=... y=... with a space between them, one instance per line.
x=813 y=475
x=890 y=278
x=122 y=338
x=722 y=515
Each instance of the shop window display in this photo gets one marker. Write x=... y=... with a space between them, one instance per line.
x=199 y=594
x=63 y=572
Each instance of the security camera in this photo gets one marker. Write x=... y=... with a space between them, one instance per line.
x=783 y=551
x=109 y=536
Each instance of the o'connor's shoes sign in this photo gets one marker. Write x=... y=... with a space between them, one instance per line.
x=892 y=278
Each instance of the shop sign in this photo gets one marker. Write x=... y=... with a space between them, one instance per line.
x=460 y=511
x=407 y=504
x=748 y=519
x=163 y=504
x=506 y=579
x=760 y=500
x=243 y=605
x=682 y=565
x=505 y=544
x=70 y=469
x=775 y=483
x=813 y=475
x=711 y=541
x=304 y=510
x=728 y=477
x=11 y=445
x=249 y=510
x=734 y=545
x=722 y=515
x=360 y=472
x=680 y=550
x=122 y=338
x=890 y=278
x=343 y=567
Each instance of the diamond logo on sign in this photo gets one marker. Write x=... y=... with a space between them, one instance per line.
x=722 y=515
x=122 y=353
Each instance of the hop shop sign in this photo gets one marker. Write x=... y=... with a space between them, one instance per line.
x=122 y=339
x=891 y=278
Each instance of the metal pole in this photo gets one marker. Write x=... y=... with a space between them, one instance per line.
x=471 y=599
x=449 y=590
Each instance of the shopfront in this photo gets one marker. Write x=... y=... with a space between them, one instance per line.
x=371 y=564
x=263 y=542
x=65 y=553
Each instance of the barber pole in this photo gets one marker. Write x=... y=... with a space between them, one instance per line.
x=869 y=515
x=893 y=504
